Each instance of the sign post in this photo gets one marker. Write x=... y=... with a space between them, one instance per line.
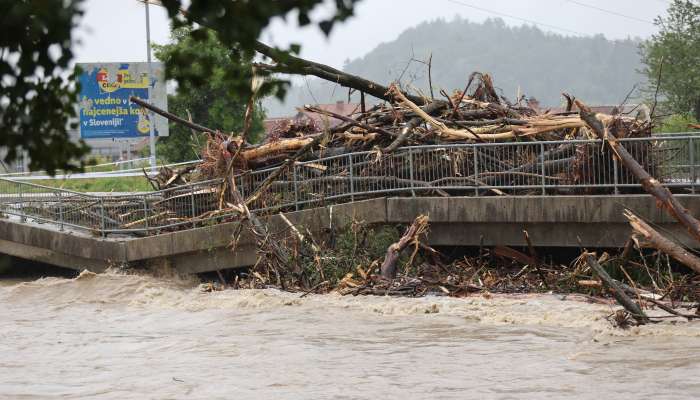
x=151 y=134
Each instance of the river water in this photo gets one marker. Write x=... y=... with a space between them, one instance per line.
x=116 y=336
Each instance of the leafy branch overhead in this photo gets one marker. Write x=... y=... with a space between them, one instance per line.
x=36 y=98
x=239 y=24
x=38 y=94
x=214 y=103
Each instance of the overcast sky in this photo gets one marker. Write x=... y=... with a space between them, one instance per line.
x=114 y=30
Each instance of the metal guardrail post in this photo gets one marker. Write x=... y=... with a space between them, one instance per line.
x=410 y=171
x=615 y=173
x=102 y=218
x=543 y=183
x=192 y=208
x=21 y=203
x=693 y=171
x=476 y=170
x=352 y=178
x=296 y=186
x=145 y=213
x=60 y=211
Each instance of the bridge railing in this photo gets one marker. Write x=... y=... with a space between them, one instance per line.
x=482 y=169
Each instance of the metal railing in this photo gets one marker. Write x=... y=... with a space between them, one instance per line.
x=483 y=169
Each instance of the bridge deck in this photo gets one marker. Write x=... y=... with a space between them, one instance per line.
x=561 y=221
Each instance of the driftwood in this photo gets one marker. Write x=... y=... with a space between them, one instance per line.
x=411 y=236
x=289 y=64
x=536 y=260
x=648 y=236
x=618 y=292
x=636 y=292
x=410 y=126
x=278 y=147
x=171 y=117
x=651 y=185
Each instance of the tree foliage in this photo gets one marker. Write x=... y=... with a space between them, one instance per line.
x=239 y=24
x=673 y=55
x=36 y=97
x=214 y=103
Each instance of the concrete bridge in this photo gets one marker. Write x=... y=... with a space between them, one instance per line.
x=543 y=187
x=556 y=221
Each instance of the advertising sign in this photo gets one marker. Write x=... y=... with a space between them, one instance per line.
x=105 y=109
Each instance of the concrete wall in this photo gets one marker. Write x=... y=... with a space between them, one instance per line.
x=457 y=221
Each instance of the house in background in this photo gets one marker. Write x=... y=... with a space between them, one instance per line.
x=303 y=117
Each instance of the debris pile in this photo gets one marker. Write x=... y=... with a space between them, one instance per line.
x=309 y=161
x=264 y=176
x=473 y=115
x=352 y=264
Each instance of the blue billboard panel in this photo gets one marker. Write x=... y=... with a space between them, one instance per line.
x=105 y=109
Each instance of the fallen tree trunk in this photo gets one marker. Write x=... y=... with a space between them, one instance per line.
x=349 y=121
x=534 y=126
x=656 y=240
x=407 y=131
x=617 y=291
x=411 y=236
x=289 y=64
x=649 y=184
x=171 y=117
x=280 y=146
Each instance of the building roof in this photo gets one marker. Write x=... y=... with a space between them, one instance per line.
x=319 y=120
x=600 y=109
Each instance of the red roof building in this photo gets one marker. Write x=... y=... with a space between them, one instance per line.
x=304 y=117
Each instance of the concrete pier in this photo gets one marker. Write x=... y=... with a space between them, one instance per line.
x=557 y=221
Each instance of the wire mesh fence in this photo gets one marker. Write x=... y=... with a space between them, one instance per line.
x=574 y=167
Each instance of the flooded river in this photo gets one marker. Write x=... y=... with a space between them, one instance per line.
x=115 y=336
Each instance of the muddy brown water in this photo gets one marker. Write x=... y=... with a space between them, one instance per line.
x=116 y=336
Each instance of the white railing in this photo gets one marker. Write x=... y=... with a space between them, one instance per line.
x=484 y=169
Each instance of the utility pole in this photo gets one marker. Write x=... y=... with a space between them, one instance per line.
x=152 y=116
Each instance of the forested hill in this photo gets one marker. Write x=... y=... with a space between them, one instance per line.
x=539 y=64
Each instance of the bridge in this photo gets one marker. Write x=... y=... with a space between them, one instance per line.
x=475 y=194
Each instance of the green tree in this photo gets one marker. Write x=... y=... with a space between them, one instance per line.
x=676 y=123
x=673 y=55
x=37 y=99
x=214 y=102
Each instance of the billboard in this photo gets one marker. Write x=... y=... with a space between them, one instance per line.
x=105 y=109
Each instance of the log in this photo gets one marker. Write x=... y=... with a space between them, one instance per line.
x=411 y=236
x=289 y=64
x=618 y=292
x=407 y=131
x=289 y=162
x=650 y=237
x=280 y=146
x=649 y=184
x=350 y=121
x=445 y=132
x=536 y=264
x=260 y=230
x=634 y=292
x=535 y=126
x=171 y=117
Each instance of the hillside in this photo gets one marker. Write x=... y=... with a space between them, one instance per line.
x=525 y=58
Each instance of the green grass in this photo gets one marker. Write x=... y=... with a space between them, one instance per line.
x=122 y=184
